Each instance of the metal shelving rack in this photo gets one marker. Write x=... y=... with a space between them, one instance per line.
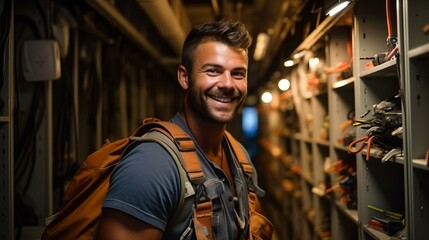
x=399 y=185
x=312 y=139
x=380 y=184
x=415 y=83
x=6 y=144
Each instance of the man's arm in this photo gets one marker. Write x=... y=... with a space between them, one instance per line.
x=116 y=225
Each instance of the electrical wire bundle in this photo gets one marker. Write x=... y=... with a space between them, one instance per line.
x=29 y=113
x=5 y=18
x=383 y=130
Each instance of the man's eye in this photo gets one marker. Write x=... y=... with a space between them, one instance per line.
x=212 y=71
x=239 y=75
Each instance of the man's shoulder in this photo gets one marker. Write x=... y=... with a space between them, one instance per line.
x=147 y=156
x=148 y=150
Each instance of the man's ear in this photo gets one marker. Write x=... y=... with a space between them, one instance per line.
x=183 y=77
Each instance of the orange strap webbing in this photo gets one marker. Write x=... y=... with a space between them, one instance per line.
x=183 y=142
x=240 y=154
x=203 y=220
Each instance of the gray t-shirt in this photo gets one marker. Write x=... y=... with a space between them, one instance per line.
x=146 y=185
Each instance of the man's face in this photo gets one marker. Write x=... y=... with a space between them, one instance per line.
x=218 y=82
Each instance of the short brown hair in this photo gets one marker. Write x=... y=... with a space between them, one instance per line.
x=231 y=33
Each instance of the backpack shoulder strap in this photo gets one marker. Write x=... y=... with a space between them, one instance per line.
x=186 y=187
x=240 y=154
x=246 y=165
x=181 y=141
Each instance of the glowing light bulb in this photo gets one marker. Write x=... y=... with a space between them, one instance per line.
x=284 y=84
x=267 y=97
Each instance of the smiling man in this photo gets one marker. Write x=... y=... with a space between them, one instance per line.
x=217 y=87
x=145 y=187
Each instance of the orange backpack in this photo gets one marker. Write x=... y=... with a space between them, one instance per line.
x=84 y=196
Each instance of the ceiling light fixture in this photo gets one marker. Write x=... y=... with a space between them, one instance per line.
x=289 y=63
x=335 y=6
x=284 y=84
x=267 y=97
x=299 y=54
x=261 y=46
x=313 y=63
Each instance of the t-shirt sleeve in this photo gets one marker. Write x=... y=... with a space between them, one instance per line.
x=145 y=185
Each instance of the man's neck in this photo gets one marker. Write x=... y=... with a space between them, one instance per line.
x=208 y=134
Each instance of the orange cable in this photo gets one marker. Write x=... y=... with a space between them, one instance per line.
x=368 y=147
x=389 y=23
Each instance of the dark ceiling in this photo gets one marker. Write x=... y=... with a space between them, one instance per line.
x=286 y=22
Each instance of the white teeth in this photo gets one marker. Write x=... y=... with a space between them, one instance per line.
x=221 y=99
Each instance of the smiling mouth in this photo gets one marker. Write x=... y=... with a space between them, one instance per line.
x=222 y=99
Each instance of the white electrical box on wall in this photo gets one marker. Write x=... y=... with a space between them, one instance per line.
x=41 y=60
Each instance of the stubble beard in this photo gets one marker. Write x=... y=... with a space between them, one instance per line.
x=200 y=106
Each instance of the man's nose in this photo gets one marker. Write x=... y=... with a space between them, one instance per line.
x=226 y=80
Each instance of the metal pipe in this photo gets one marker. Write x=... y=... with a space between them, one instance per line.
x=115 y=17
x=166 y=21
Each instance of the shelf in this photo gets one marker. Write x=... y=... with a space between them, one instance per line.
x=320 y=192
x=421 y=51
x=319 y=92
x=376 y=234
x=4 y=119
x=299 y=136
x=379 y=154
x=310 y=215
x=346 y=83
x=308 y=179
x=383 y=70
x=421 y=163
x=323 y=235
x=341 y=147
x=351 y=214
x=398 y=159
x=322 y=143
x=286 y=132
